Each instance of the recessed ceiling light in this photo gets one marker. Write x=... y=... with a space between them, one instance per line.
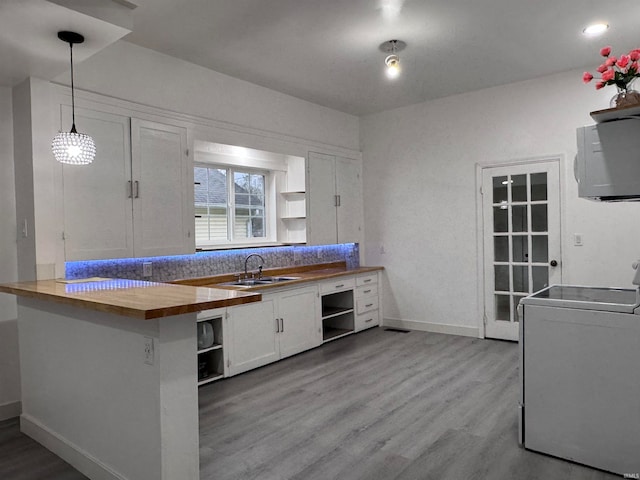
x=595 y=29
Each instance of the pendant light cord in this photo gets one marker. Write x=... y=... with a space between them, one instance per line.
x=73 y=103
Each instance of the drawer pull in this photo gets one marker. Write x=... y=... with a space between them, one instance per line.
x=367 y=291
x=369 y=305
x=366 y=280
x=340 y=286
x=370 y=320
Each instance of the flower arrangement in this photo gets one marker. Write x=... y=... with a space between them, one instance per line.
x=616 y=71
x=620 y=72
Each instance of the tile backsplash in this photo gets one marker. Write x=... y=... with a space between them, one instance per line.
x=216 y=262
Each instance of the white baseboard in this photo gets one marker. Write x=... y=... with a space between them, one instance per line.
x=431 y=327
x=72 y=454
x=10 y=410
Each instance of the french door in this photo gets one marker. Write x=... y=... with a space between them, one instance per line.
x=521 y=224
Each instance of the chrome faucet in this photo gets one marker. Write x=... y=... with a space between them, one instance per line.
x=259 y=268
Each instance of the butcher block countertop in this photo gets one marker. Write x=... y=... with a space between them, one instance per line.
x=306 y=273
x=131 y=298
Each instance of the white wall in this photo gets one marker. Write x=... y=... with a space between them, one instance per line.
x=129 y=72
x=420 y=193
x=9 y=367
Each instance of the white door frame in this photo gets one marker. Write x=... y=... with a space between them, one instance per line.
x=560 y=158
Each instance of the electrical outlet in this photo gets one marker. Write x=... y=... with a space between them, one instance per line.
x=147 y=269
x=148 y=350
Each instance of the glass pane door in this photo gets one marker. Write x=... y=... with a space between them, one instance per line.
x=517 y=229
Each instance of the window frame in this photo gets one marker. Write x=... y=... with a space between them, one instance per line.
x=269 y=207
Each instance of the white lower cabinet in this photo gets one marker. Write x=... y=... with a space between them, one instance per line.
x=283 y=324
x=290 y=321
x=298 y=315
x=367 y=302
x=251 y=336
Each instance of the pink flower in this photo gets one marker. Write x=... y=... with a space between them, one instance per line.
x=587 y=77
x=599 y=85
x=602 y=68
x=623 y=61
x=611 y=61
x=634 y=55
x=608 y=75
x=634 y=66
x=605 y=51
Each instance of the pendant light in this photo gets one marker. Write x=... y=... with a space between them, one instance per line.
x=73 y=148
x=392 y=61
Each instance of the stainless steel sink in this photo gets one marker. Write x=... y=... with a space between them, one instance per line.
x=277 y=279
x=252 y=282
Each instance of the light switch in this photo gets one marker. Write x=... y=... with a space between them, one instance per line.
x=577 y=239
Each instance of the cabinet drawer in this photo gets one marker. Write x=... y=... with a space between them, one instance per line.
x=344 y=283
x=367 y=279
x=367 y=320
x=367 y=291
x=366 y=304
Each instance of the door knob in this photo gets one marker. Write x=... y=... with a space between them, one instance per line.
x=553 y=263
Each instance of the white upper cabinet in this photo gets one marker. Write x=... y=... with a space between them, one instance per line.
x=98 y=220
x=334 y=200
x=160 y=190
x=349 y=191
x=133 y=200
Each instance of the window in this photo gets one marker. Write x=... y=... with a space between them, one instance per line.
x=230 y=205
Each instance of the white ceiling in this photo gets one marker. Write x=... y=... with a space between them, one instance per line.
x=29 y=44
x=326 y=51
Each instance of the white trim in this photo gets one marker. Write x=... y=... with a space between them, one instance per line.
x=10 y=410
x=480 y=252
x=72 y=454
x=463 y=330
x=261 y=138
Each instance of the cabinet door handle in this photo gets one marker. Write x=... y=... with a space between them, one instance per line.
x=282 y=325
x=277 y=325
x=338 y=200
x=130 y=189
x=136 y=188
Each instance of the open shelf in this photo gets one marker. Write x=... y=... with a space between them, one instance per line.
x=330 y=312
x=210 y=378
x=215 y=346
x=210 y=360
x=331 y=333
x=337 y=315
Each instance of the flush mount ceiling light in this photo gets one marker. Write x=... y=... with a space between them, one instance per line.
x=595 y=29
x=73 y=148
x=392 y=47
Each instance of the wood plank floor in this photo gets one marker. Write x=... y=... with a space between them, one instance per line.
x=376 y=405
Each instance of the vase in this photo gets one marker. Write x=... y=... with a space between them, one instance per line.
x=625 y=97
x=205 y=335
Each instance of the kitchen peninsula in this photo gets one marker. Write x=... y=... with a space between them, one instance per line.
x=111 y=359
